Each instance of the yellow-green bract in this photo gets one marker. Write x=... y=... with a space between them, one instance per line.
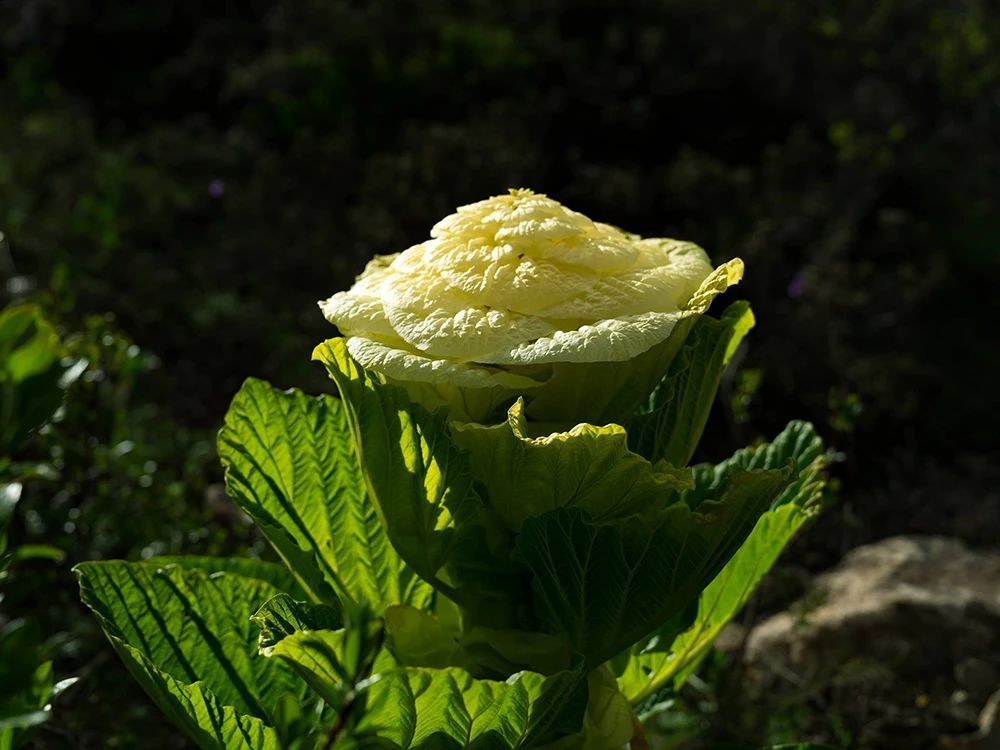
x=517 y=294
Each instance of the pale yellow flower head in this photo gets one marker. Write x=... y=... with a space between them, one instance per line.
x=520 y=281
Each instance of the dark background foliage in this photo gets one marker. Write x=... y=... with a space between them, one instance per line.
x=180 y=182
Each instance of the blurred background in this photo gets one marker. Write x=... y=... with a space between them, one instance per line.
x=180 y=182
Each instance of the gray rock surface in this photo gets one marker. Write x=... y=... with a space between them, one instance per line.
x=902 y=640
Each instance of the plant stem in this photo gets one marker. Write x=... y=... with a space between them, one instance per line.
x=638 y=741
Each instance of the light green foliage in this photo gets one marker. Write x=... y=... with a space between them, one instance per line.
x=603 y=586
x=185 y=634
x=274 y=574
x=603 y=392
x=423 y=487
x=589 y=467
x=608 y=722
x=453 y=585
x=672 y=425
x=448 y=708
x=409 y=707
x=421 y=639
x=668 y=657
x=290 y=465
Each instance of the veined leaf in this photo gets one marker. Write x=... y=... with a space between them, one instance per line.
x=186 y=636
x=277 y=575
x=417 y=478
x=605 y=586
x=570 y=390
x=410 y=707
x=588 y=467
x=798 y=442
x=421 y=639
x=679 y=406
x=608 y=721
x=423 y=488
x=210 y=723
x=281 y=615
x=668 y=657
x=309 y=638
x=291 y=466
x=423 y=709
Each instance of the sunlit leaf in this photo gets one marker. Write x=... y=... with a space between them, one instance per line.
x=186 y=636
x=291 y=466
x=603 y=586
x=679 y=407
x=669 y=657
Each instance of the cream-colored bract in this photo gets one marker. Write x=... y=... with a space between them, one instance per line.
x=521 y=280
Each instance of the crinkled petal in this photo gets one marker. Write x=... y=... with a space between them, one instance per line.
x=520 y=281
x=352 y=313
x=400 y=364
x=619 y=339
x=441 y=321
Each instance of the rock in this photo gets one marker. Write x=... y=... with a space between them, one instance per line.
x=977 y=677
x=888 y=639
x=988 y=735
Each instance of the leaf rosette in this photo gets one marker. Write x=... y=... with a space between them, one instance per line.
x=519 y=295
x=493 y=538
x=524 y=392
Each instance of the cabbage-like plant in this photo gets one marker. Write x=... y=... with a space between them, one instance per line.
x=493 y=538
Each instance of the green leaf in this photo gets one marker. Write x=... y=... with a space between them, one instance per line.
x=588 y=467
x=604 y=586
x=604 y=392
x=425 y=709
x=30 y=373
x=186 y=636
x=291 y=466
x=296 y=725
x=422 y=485
x=608 y=720
x=281 y=615
x=310 y=639
x=420 y=639
x=508 y=651
x=679 y=407
x=798 y=442
x=193 y=707
x=408 y=707
x=417 y=478
x=277 y=575
x=37 y=552
x=669 y=657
